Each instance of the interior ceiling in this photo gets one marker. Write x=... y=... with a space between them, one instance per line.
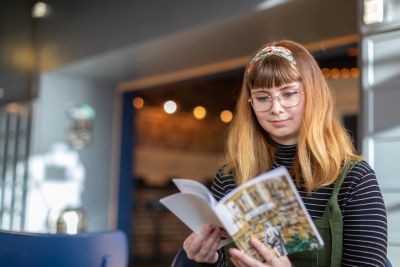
x=306 y=21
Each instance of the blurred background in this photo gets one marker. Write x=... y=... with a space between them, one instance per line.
x=102 y=103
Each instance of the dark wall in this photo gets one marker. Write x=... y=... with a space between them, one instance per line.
x=16 y=50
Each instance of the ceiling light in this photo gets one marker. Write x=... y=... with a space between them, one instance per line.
x=138 y=102
x=226 y=116
x=199 y=112
x=40 y=10
x=170 y=107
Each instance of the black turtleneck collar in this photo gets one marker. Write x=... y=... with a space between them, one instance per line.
x=284 y=154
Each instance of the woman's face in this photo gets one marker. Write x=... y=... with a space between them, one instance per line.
x=282 y=123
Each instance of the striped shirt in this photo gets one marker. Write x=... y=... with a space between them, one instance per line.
x=361 y=203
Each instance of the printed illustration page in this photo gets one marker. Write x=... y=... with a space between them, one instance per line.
x=194 y=211
x=194 y=187
x=269 y=208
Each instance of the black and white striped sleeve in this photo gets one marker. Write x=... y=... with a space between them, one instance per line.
x=222 y=184
x=364 y=219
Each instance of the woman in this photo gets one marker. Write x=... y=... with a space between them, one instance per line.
x=284 y=117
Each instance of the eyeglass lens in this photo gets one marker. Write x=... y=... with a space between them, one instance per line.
x=261 y=101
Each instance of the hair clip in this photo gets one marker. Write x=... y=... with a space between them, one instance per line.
x=279 y=51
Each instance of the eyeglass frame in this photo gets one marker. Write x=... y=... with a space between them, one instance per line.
x=272 y=99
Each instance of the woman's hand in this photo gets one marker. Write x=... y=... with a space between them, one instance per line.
x=202 y=247
x=241 y=259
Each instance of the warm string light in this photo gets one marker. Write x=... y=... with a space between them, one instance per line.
x=226 y=116
x=355 y=72
x=336 y=73
x=199 y=112
x=138 y=102
x=345 y=73
x=170 y=107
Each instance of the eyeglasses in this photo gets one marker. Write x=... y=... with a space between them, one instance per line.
x=261 y=101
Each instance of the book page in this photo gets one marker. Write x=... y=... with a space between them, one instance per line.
x=269 y=208
x=194 y=211
x=194 y=187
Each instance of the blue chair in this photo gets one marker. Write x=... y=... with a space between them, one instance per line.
x=101 y=249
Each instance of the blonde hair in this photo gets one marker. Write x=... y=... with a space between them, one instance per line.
x=324 y=146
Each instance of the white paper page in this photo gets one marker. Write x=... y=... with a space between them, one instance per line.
x=223 y=213
x=193 y=211
x=194 y=187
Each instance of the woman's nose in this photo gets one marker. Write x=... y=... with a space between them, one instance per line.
x=276 y=105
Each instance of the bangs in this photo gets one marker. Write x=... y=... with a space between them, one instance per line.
x=272 y=71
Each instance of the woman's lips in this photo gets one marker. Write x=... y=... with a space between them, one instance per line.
x=279 y=123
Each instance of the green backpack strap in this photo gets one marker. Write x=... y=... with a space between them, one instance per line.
x=228 y=261
x=342 y=176
x=335 y=220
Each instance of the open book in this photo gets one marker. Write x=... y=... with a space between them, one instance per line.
x=267 y=207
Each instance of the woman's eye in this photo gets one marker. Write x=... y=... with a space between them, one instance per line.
x=289 y=94
x=262 y=98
